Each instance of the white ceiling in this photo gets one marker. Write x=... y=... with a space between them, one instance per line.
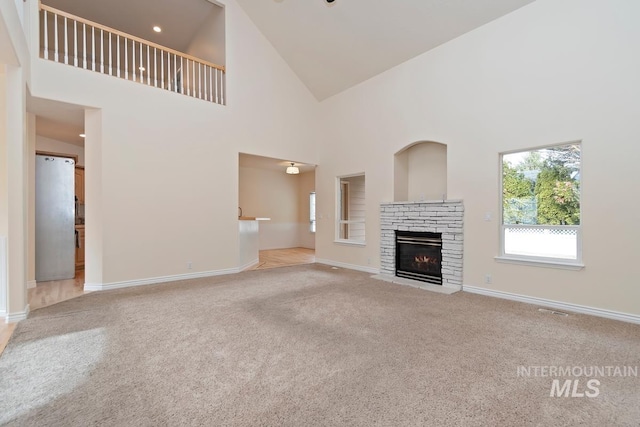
x=259 y=162
x=58 y=120
x=333 y=47
x=179 y=19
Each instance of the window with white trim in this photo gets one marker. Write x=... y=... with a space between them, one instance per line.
x=541 y=205
x=312 y=212
x=350 y=203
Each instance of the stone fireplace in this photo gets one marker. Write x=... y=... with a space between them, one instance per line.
x=437 y=226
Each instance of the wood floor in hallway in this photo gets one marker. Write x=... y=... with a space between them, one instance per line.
x=284 y=257
x=43 y=295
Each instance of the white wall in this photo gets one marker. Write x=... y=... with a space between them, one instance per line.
x=162 y=168
x=15 y=138
x=553 y=71
x=306 y=186
x=272 y=194
x=209 y=41
x=13 y=40
x=281 y=197
x=15 y=63
x=20 y=9
x=60 y=147
x=4 y=195
x=427 y=169
x=31 y=199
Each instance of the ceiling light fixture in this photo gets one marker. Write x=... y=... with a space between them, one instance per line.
x=293 y=170
x=141 y=68
x=82 y=135
x=157 y=29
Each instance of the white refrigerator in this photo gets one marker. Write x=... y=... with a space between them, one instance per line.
x=55 y=218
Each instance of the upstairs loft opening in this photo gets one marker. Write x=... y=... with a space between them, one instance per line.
x=178 y=47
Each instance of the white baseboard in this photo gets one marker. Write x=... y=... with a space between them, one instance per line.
x=31 y=284
x=90 y=287
x=593 y=311
x=441 y=289
x=248 y=265
x=332 y=263
x=154 y=280
x=16 y=317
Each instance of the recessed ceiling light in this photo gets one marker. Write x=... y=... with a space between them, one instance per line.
x=157 y=29
x=82 y=135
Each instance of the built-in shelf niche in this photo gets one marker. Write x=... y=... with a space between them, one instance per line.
x=420 y=172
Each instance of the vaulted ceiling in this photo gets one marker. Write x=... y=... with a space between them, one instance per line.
x=332 y=47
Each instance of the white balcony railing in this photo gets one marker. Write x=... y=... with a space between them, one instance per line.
x=78 y=42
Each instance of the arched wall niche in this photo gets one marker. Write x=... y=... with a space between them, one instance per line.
x=420 y=172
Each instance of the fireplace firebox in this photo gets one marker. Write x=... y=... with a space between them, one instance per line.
x=419 y=256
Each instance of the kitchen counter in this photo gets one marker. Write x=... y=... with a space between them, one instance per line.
x=249 y=240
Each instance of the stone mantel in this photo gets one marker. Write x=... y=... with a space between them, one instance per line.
x=435 y=216
x=425 y=202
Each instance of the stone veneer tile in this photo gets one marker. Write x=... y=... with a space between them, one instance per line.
x=438 y=216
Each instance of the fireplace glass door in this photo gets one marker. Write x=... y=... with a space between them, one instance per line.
x=419 y=256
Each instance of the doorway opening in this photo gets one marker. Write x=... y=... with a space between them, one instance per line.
x=284 y=205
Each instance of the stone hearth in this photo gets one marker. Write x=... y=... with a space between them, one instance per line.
x=437 y=216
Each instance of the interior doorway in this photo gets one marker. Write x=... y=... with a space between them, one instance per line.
x=267 y=188
x=57 y=133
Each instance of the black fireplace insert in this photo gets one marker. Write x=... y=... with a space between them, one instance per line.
x=419 y=256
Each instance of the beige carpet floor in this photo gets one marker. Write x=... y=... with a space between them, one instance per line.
x=308 y=346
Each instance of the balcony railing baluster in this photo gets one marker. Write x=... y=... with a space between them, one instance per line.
x=84 y=46
x=110 y=57
x=66 y=53
x=55 y=37
x=160 y=70
x=75 y=43
x=102 y=51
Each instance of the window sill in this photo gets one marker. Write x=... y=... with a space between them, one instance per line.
x=349 y=242
x=564 y=265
